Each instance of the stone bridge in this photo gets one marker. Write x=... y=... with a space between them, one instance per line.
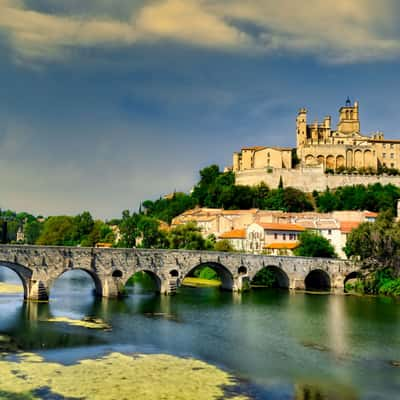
x=40 y=266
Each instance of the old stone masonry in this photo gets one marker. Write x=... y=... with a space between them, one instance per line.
x=40 y=266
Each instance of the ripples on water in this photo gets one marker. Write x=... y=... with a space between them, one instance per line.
x=278 y=344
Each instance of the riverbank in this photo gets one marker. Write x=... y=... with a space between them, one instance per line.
x=198 y=282
x=7 y=288
x=377 y=284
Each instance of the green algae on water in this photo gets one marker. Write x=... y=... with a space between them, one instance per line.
x=115 y=376
x=87 y=322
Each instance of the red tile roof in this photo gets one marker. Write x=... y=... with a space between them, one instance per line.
x=234 y=234
x=348 y=226
x=287 y=245
x=282 y=227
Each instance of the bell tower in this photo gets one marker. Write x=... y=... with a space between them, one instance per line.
x=301 y=127
x=349 y=121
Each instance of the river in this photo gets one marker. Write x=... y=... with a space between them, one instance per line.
x=276 y=344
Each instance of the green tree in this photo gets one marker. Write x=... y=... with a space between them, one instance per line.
x=152 y=236
x=32 y=231
x=187 y=237
x=314 y=245
x=58 y=231
x=129 y=229
x=223 y=245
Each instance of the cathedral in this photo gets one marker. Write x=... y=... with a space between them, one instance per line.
x=318 y=144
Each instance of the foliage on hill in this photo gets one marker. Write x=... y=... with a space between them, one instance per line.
x=358 y=197
x=377 y=246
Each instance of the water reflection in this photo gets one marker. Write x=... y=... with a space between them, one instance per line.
x=274 y=339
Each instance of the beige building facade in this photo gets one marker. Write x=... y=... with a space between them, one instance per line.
x=319 y=144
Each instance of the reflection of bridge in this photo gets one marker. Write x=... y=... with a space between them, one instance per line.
x=39 y=266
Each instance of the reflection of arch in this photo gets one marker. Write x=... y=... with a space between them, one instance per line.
x=23 y=273
x=97 y=283
x=310 y=159
x=358 y=159
x=317 y=279
x=242 y=270
x=339 y=162
x=330 y=162
x=223 y=273
x=351 y=275
x=321 y=160
x=276 y=276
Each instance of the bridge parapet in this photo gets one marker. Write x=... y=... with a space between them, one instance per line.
x=39 y=267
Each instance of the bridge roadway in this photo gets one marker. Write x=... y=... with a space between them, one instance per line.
x=40 y=266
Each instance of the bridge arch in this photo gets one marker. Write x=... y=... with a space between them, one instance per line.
x=317 y=279
x=23 y=273
x=272 y=276
x=223 y=272
x=95 y=278
x=155 y=278
x=349 y=276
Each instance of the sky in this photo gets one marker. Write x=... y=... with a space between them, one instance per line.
x=106 y=104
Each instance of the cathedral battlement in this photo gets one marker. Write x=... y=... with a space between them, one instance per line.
x=319 y=145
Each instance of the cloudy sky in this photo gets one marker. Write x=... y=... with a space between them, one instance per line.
x=107 y=103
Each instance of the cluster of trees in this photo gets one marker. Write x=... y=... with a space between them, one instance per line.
x=217 y=189
x=374 y=197
x=377 y=246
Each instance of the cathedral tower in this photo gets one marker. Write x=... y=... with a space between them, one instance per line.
x=349 y=121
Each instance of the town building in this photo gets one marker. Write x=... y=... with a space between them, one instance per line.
x=273 y=232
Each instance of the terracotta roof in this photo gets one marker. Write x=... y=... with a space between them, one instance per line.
x=254 y=148
x=234 y=234
x=370 y=214
x=287 y=245
x=384 y=140
x=282 y=227
x=348 y=226
x=250 y=211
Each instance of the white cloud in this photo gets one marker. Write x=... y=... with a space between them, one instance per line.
x=335 y=30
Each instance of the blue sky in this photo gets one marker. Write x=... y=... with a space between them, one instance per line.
x=104 y=104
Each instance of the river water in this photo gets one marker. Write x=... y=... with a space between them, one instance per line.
x=278 y=344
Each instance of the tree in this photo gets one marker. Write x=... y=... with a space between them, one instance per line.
x=32 y=231
x=314 y=245
x=377 y=246
x=223 y=245
x=129 y=229
x=58 y=231
x=84 y=224
x=187 y=237
x=152 y=236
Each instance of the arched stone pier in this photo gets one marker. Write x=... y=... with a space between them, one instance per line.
x=40 y=266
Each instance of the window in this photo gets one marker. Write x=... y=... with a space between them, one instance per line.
x=392 y=165
x=329 y=231
x=275 y=236
x=384 y=145
x=392 y=146
x=391 y=155
x=284 y=236
x=383 y=155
